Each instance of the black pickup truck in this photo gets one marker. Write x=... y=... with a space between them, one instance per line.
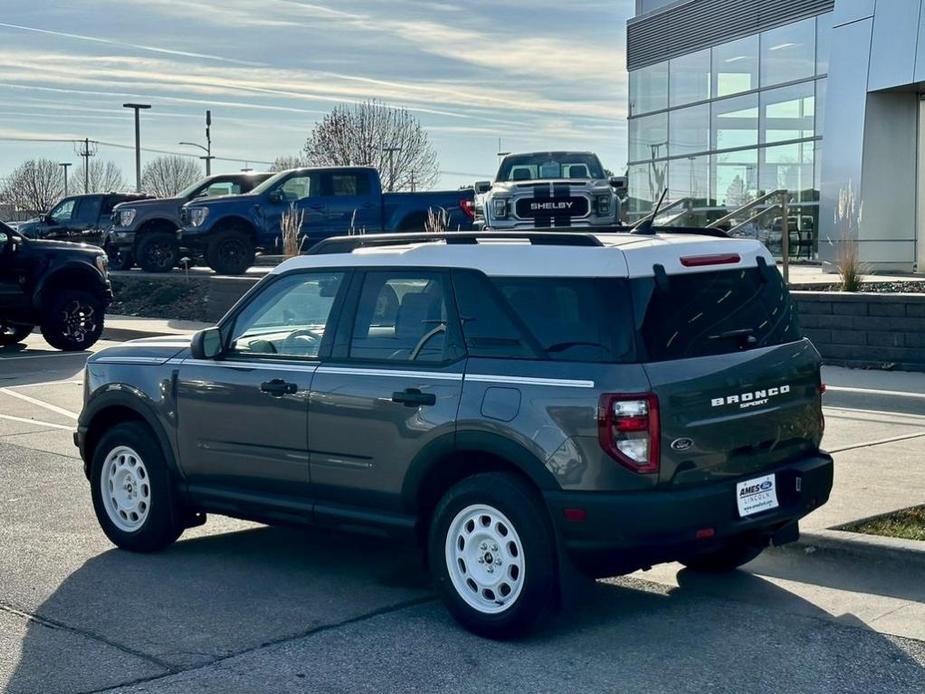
x=145 y=231
x=78 y=218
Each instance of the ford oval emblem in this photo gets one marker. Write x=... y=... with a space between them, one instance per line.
x=766 y=485
x=681 y=444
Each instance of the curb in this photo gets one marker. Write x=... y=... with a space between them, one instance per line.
x=863 y=546
x=126 y=334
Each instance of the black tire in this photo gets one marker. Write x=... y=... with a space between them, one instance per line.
x=727 y=558
x=535 y=596
x=230 y=252
x=119 y=260
x=11 y=334
x=73 y=320
x=157 y=251
x=151 y=496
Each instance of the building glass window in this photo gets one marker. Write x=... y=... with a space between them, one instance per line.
x=735 y=122
x=649 y=89
x=788 y=113
x=788 y=53
x=735 y=67
x=735 y=178
x=823 y=42
x=646 y=182
x=648 y=137
x=689 y=130
x=788 y=167
x=689 y=78
x=689 y=177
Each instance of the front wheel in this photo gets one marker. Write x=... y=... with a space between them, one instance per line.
x=491 y=552
x=727 y=558
x=73 y=321
x=158 y=251
x=11 y=334
x=230 y=253
x=132 y=490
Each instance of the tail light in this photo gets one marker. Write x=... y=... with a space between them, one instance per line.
x=468 y=208
x=717 y=259
x=628 y=430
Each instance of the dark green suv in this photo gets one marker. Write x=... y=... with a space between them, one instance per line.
x=60 y=286
x=519 y=403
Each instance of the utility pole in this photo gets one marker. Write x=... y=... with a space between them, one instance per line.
x=85 y=152
x=64 y=165
x=391 y=152
x=137 y=108
x=413 y=186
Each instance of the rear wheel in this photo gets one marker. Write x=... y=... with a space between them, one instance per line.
x=11 y=334
x=73 y=320
x=491 y=551
x=119 y=259
x=133 y=493
x=726 y=558
x=230 y=252
x=158 y=251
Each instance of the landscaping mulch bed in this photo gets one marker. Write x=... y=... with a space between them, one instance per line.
x=910 y=287
x=159 y=299
x=907 y=524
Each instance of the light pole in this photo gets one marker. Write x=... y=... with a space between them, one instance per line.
x=208 y=146
x=64 y=166
x=137 y=108
x=391 y=152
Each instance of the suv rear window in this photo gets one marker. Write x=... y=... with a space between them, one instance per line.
x=708 y=313
x=556 y=318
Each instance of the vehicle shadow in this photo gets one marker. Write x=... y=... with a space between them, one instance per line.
x=123 y=617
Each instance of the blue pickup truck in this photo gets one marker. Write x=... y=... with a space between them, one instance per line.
x=335 y=201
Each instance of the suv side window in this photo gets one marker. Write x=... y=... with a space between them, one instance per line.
x=402 y=316
x=88 y=211
x=64 y=211
x=489 y=327
x=290 y=318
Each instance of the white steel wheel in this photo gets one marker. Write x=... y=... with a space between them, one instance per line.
x=485 y=559
x=125 y=489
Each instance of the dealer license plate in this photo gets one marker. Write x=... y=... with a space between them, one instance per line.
x=756 y=495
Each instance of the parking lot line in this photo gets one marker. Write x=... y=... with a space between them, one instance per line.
x=46 y=356
x=39 y=422
x=39 y=403
x=65 y=382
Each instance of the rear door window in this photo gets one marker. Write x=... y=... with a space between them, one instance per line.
x=556 y=318
x=709 y=313
x=88 y=211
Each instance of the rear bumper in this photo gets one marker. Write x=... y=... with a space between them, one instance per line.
x=623 y=532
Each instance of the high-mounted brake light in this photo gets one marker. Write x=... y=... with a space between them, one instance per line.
x=468 y=208
x=718 y=259
x=628 y=430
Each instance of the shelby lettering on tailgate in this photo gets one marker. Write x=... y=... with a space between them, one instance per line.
x=753 y=399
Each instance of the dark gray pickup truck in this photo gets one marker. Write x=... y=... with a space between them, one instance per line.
x=145 y=232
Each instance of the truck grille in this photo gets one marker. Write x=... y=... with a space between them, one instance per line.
x=531 y=208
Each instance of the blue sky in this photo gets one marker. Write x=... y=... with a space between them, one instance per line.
x=539 y=74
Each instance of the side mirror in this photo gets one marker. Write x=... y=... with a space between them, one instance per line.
x=618 y=182
x=49 y=220
x=206 y=344
x=275 y=196
x=482 y=187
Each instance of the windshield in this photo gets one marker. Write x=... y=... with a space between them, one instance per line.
x=188 y=192
x=270 y=182
x=550 y=165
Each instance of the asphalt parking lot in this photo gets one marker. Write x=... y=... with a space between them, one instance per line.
x=239 y=607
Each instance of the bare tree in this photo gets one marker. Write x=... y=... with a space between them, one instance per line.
x=105 y=177
x=34 y=186
x=372 y=134
x=166 y=176
x=287 y=162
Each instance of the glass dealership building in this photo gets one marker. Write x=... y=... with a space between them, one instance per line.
x=732 y=99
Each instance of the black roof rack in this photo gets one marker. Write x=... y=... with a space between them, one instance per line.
x=552 y=237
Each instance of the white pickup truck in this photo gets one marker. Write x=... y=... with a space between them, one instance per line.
x=549 y=189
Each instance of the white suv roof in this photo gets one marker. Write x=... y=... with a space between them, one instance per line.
x=618 y=255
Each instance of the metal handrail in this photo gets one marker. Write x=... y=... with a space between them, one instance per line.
x=754 y=203
x=758 y=215
x=651 y=215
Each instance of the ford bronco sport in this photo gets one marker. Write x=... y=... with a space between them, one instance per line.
x=60 y=286
x=518 y=403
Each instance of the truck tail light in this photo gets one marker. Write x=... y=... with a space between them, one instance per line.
x=468 y=208
x=628 y=430
x=717 y=259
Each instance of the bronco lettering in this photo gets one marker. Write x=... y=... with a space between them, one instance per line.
x=752 y=399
